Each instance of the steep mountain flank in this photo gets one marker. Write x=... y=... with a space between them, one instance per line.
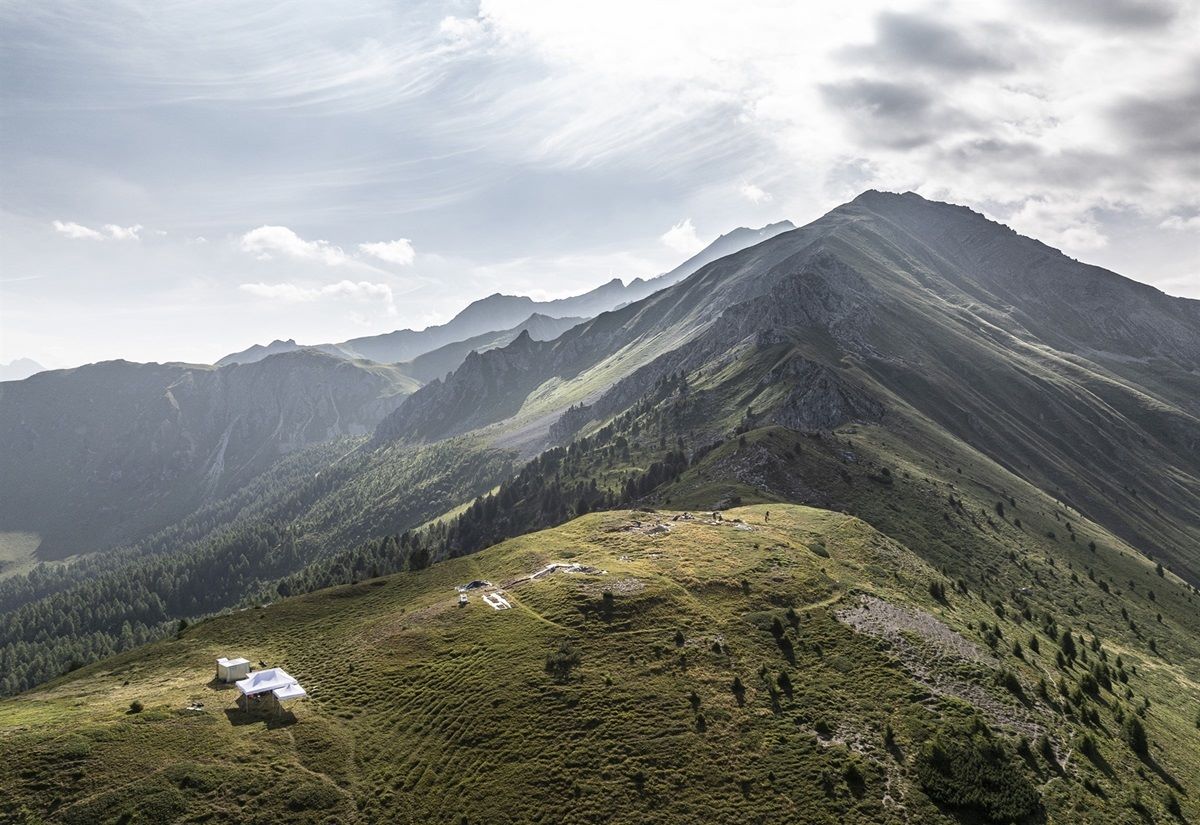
x=439 y=362
x=488 y=385
x=926 y=308
x=105 y=453
x=610 y=346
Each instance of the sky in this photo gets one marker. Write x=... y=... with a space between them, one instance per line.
x=179 y=180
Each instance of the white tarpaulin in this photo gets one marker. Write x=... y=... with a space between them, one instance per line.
x=285 y=694
x=266 y=681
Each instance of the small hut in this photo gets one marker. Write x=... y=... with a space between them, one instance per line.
x=230 y=670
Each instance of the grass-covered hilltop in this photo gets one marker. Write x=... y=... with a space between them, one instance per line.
x=894 y=517
x=781 y=661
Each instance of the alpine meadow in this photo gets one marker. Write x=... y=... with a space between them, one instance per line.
x=889 y=513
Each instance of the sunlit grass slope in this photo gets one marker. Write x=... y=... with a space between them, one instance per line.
x=712 y=672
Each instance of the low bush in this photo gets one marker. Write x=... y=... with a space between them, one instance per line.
x=964 y=766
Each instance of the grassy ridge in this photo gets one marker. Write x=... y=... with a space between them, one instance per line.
x=678 y=709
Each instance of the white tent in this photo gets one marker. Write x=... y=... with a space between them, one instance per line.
x=266 y=681
x=274 y=682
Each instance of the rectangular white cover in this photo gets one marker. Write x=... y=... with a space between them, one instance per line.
x=263 y=681
x=283 y=694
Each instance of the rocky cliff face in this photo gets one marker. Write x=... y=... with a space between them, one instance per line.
x=114 y=449
x=489 y=386
x=444 y=360
x=807 y=292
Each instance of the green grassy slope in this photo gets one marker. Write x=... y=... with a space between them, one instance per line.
x=232 y=552
x=421 y=711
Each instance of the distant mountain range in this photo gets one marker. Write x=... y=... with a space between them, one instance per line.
x=108 y=452
x=499 y=312
x=19 y=369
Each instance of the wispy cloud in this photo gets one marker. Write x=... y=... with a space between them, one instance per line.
x=77 y=230
x=682 y=238
x=566 y=134
x=123 y=233
x=1059 y=224
x=399 y=252
x=110 y=231
x=268 y=241
x=295 y=293
x=1180 y=223
x=755 y=194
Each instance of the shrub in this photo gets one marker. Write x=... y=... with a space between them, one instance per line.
x=136 y=706
x=561 y=662
x=1045 y=748
x=1011 y=683
x=1134 y=733
x=785 y=684
x=1087 y=746
x=937 y=590
x=1067 y=644
x=965 y=768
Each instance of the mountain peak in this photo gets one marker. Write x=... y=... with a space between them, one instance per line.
x=19 y=369
x=890 y=203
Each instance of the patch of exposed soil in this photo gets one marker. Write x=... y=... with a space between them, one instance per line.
x=652 y=527
x=617 y=587
x=934 y=655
